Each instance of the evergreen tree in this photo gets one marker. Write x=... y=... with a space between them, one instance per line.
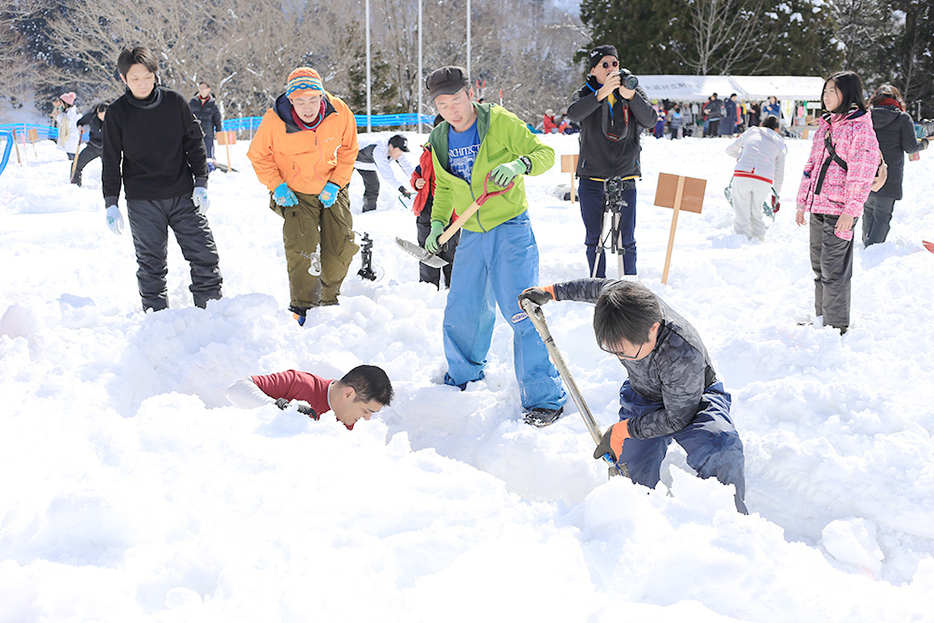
x=647 y=33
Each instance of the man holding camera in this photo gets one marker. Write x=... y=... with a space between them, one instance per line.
x=611 y=110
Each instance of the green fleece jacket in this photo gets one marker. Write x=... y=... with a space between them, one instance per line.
x=503 y=138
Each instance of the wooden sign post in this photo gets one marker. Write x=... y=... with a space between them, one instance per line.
x=33 y=137
x=227 y=138
x=18 y=160
x=569 y=165
x=679 y=193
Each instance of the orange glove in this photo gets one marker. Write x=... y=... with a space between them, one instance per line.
x=612 y=441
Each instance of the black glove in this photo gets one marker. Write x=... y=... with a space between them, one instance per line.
x=405 y=193
x=539 y=296
x=300 y=406
x=307 y=410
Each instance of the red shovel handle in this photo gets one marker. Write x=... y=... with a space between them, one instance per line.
x=487 y=194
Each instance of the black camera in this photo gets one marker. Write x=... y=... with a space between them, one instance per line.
x=627 y=80
x=613 y=191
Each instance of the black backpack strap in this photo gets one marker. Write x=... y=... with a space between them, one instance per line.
x=831 y=157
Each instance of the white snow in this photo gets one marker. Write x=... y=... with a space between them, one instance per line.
x=132 y=492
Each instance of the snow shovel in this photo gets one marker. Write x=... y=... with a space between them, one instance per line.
x=433 y=260
x=535 y=314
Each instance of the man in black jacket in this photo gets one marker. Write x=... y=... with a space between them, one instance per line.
x=611 y=118
x=94 y=122
x=204 y=108
x=152 y=144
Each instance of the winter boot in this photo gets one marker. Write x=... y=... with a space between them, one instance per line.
x=542 y=417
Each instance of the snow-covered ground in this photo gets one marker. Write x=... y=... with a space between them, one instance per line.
x=131 y=490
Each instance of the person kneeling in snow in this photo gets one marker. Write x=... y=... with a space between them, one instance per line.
x=358 y=394
x=672 y=392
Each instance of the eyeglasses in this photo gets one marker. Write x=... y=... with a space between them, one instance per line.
x=620 y=354
x=607 y=64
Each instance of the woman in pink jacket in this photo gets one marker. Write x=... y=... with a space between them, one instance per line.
x=837 y=179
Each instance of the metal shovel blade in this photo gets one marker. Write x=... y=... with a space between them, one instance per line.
x=423 y=256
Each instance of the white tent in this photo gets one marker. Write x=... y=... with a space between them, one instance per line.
x=699 y=88
x=687 y=88
x=800 y=88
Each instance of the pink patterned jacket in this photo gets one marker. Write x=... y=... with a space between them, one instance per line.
x=843 y=192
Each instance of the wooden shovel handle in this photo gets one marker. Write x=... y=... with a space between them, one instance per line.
x=470 y=211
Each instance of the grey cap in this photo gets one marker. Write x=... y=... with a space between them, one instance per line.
x=447 y=80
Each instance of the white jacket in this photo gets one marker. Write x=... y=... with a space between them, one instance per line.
x=68 y=129
x=377 y=159
x=760 y=154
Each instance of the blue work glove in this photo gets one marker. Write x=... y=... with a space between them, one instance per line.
x=114 y=219
x=504 y=174
x=200 y=198
x=329 y=195
x=431 y=243
x=284 y=196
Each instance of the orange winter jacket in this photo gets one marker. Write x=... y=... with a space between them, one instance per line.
x=306 y=160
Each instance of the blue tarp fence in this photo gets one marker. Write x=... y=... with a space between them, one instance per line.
x=240 y=124
x=376 y=121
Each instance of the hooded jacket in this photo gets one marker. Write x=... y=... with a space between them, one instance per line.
x=503 y=138
x=760 y=154
x=843 y=192
x=306 y=160
x=896 y=135
x=601 y=157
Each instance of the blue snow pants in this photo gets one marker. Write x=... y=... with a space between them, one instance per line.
x=591 y=195
x=713 y=446
x=493 y=268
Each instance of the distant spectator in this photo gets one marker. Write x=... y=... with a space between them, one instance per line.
x=713 y=110
x=66 y=117
x=896 y=134
x=550 y=127
x=205 y=109
x=773 y=108
x=675 y=121
x=730 y=116
x=94 y=121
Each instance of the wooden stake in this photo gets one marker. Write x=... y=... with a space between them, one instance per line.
x=674 y=226
x=33 y=137
x=18 y=160
x=74 y=164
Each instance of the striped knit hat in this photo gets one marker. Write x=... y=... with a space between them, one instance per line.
x=302 y=81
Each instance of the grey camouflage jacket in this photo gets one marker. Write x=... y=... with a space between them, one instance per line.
x=675 y=374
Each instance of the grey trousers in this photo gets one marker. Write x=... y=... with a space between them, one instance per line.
x=149 y=224
x=832 y=263
x=877 y=215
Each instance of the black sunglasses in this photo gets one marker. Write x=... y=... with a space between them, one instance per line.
x=607 y=65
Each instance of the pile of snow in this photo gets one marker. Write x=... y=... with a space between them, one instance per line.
x=133 y=491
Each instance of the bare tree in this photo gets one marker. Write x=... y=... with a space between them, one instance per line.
x=724 y=34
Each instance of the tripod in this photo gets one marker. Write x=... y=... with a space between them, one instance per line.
x=613 y=206
x=366 y=258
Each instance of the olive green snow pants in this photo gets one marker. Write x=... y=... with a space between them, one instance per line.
x=319 y=246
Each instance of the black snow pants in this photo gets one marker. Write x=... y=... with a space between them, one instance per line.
x=149 y=223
